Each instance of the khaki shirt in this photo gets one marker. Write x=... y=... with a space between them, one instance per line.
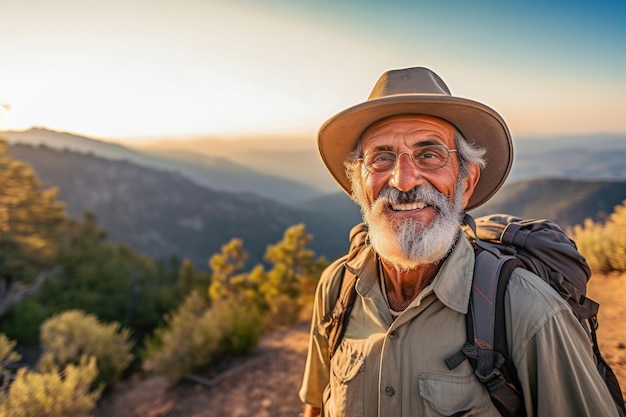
x=386 y=367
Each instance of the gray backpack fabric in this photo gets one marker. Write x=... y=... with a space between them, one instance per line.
x=503 y=243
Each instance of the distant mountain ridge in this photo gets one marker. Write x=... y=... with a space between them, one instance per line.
x=568 y=202
x=295 y=158
x=209 y=171
x=289 y=169
x=600 y=156
x=582 y=156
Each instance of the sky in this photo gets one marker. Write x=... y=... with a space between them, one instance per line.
x=136 y=70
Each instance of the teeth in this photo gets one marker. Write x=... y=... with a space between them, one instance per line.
x=415 y=205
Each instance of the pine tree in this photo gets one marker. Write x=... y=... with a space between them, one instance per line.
x=225 y=266
x=293 y=263
x=31 y=221
x=190 y=279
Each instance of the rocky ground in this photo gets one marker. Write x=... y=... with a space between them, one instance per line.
x=266 y=382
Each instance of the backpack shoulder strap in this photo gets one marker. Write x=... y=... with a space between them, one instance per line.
x=486 y=317
x=487 y=348
x=336 y=320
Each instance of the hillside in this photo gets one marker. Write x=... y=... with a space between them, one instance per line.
x=162 y=213
x=295 y=158
x=568 y=202
x=337 y=205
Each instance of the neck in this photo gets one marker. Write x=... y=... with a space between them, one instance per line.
x=403 y=286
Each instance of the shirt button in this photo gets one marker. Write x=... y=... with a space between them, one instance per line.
x=393 y=334
x=389 y=391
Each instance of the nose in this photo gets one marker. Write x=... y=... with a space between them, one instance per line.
x=406 y=175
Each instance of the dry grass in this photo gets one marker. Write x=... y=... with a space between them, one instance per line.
x=610 y=292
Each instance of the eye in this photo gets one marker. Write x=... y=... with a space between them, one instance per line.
x=381 y=161
x=383 y=157
x=437 y=153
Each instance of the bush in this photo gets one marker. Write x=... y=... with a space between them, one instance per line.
x=240 y=326
x=7 y=355
x=22 y=323
x=196 y=336
x=604 y=245
x=284 y=310
x=53 y=394
x=170 y=351
x=68 y=336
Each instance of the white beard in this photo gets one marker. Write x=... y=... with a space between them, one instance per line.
x=407 y=244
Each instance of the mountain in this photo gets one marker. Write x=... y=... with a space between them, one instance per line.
x=588 y=156
x=289 y=170
x=600 y=156
x=163 y=213
x=568 y=202
x=210 y=171
x=337 y=205
x=288 y=157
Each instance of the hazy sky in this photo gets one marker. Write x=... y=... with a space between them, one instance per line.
x=116 y=69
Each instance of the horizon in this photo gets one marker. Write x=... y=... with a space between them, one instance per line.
x=253 y=137
x=135 y=71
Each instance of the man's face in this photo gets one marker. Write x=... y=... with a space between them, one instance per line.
x=413 y=213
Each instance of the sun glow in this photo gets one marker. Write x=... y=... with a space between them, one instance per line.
x=138 y=69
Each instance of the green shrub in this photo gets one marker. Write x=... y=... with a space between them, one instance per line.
x=240 y=326
x=72 y=334
x=180 y=345
x=22 y=323
x=284 y=310
x=196 y=336
x=54 y=393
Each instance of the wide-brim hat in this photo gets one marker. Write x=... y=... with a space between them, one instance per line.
x=420 y=91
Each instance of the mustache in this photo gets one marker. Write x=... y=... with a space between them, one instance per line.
x=426 y=193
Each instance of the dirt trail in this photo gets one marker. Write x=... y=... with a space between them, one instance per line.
x=266 y=382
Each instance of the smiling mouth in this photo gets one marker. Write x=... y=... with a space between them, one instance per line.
x=414 y=205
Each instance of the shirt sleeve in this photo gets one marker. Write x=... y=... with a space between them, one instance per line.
x=317 y=367
x=552 y=353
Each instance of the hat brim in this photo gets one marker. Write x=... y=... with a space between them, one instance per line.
x=478 y=123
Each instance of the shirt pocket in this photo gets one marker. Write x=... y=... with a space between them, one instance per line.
x=451 y=395
x=347 y=379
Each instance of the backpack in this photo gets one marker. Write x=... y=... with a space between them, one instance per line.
x=502 y=243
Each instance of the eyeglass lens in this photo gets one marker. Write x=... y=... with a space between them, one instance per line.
x=426 y=158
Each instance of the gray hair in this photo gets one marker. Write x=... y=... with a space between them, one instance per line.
x=469 y=153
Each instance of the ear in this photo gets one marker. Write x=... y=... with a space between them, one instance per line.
x=469 y=183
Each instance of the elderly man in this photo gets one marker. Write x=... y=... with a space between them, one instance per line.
x=414 y=158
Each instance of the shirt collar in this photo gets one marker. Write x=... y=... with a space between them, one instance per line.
x=452 y=284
